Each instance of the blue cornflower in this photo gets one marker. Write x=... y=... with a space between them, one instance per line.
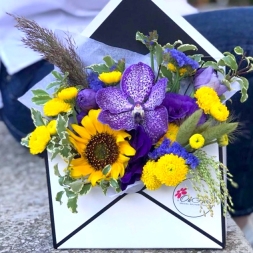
x=181 y=59
x=94 y=82
x=175 y=149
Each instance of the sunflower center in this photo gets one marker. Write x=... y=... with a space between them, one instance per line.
x=102 y=150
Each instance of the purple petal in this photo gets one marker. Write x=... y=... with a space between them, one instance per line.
x=137 y=81
x=202 y=76
x=113 y=100
x=156 y=123
x=118 y=121
x=157 y=95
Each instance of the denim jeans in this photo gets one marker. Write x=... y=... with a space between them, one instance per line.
x=225 y=29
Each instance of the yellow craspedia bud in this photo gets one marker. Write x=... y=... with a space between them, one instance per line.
x=51 y=126
x=148 y=177
x=206 y=97
x=223 y=141
x=171 y=67
x=55 y=106
x=38 y=140
x=197 y=141
x=110 y=77
x=219 y=111
x=182 y=71
x=68 y=93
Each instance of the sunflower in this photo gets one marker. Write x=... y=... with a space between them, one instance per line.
x=98 y=145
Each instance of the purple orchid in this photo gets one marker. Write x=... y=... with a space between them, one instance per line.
x=208 y=77
x=142 y=144
x=136 y=102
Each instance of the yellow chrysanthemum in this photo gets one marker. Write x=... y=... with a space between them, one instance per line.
x=219 y=111
x=148 y=177
x=38 y=140
x=110 y=77
x=171 y=67
x=55 y=106
x=51 y=126
x=223 y=141
x=98 y=145
x=197 y=141
x=171 y=170
x=182 y=71
x=170 y=134
x=206 y=97
x=68 y=93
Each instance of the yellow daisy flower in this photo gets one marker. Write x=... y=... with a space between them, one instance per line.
x=197 y=141
x=171 y=170
x=51 y=126
x=171 y=67
x=68 y=93
x=219 y=111
x=110 y=77
x=148 y=177
x=55 y=106
x=38 y=140
x=206 y=97
x=182 y=71
x=98 y=145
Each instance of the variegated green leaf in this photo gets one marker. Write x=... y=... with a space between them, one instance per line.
x=106 y=169
x=86 y=189
x=25 y=141
x=109 y=61
x=37 y=117
x=56 y=170
x=186 y=47
x=99 y=68
x=41 y=100
x=76 y=186
x=238 y=50
x=59 y=196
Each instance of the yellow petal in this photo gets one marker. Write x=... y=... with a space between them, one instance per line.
x=79 y=146
x=95 y=177
x=115 y=171
x=81 y=170
x=89 y=126
x=123 y=159
x=126 y=149
x=82 y=132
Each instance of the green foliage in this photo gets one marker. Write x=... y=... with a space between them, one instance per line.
x=40 y=97
x=188 y=127
x=106 y=169
x=37 y=118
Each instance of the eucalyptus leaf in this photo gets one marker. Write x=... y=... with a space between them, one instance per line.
x=106 y=169
x=41 y=100
x=186 y=47
x=25 y=141
x=59 y=196
x=37 y=118
x=56 y=170
x=99 y=68
x=72 y=204
x=109 y=61
x=85 y=189
x=76 y=186
x=238 y=50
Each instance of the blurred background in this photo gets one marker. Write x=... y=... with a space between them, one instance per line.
x=204 y=5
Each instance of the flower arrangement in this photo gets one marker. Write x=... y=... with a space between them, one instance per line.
x=134 y=123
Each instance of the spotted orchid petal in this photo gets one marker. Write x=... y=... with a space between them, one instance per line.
x=118 y=121
x=156 y=123
x=113 y=100
x=157 y=95
x=137 y=81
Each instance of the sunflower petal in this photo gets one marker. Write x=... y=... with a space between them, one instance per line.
x=126 y=149
x=81 y=131
x=81 y=170
x=88 y=124
x=95 y=177
x=115 y=171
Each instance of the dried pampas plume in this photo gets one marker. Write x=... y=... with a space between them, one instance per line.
x=44 y=41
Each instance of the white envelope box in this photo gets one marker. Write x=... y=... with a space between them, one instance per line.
x=146 y=219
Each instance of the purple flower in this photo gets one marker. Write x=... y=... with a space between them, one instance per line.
x=208 y=77
x=94 y=82
x=86 y=99
x=181 y=59
x=175 y=148
x=136 y=102
x=80 y=116
x=142 y=144
x=180 y=107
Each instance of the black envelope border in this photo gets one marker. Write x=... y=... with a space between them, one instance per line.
x=57 y=245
